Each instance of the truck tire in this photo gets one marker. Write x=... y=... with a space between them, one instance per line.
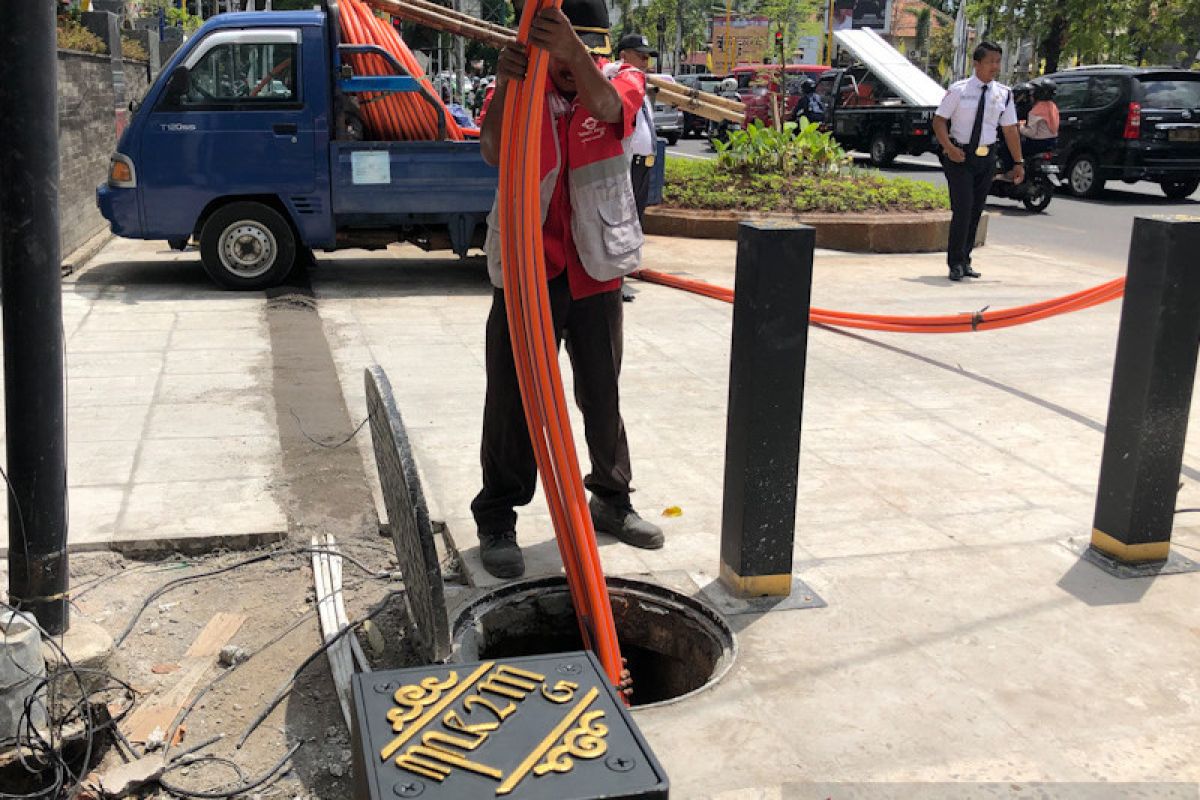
x=883 y=150
x=1180 y=188
x=672 y=139
x=1083 y=176
x=247 y=246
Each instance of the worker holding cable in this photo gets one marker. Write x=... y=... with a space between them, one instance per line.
x=592 y=239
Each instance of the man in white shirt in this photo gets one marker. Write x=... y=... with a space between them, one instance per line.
x=634 y=49
x=966 y=125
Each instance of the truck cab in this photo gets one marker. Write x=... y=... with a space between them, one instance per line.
x=248 y=144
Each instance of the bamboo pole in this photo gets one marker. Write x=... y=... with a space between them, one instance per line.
x=431 y=15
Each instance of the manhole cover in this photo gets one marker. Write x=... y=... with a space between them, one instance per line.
x=412 y=533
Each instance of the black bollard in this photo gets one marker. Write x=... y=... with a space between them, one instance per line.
x=1151 y=393
x=773 y=289
x=31 y=292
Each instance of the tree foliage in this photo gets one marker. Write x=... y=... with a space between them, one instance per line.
x=1128 y=31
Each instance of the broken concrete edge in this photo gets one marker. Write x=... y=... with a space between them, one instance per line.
x=916 y=232
x=184 y=544
x=81 y=255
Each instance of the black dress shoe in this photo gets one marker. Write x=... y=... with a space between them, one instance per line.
x=970 y=273
x=956 y=273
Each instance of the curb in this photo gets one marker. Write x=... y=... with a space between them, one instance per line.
x=80 y=256
x=925 y=232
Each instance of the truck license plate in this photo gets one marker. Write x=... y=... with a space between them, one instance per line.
x=1185 y=135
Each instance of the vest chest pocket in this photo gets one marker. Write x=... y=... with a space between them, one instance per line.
x=622 y=233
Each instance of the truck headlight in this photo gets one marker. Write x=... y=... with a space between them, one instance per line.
x=121 y=174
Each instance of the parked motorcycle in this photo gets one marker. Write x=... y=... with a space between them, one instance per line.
x=1036 y=191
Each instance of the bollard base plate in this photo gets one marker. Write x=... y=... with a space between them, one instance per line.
x=1174 y=565
x=717 y=595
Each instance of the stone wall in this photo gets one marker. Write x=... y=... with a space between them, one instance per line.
x=89 y=116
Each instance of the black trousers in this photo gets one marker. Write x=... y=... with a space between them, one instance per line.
x=969 y=183
x=592 y=330
x=640 y=173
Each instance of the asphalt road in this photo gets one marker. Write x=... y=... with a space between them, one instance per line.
x=1096 y=230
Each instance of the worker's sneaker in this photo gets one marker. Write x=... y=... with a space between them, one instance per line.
x=956 y=273
x=970 y=273
x=500 y=554
x=620 y=520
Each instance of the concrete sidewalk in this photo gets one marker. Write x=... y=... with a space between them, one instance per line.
x=940 y=478
x=172 y=431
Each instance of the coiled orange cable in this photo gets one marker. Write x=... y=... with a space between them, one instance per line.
x=392 y=117
x=947 y=323
x=535 y=351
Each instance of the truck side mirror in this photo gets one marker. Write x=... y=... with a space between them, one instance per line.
x=177 y=86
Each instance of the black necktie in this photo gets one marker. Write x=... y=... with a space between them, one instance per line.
x=977 y=128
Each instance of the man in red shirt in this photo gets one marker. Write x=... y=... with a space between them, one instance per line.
x=592 y=238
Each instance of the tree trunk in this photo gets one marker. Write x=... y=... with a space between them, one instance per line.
x=1052 y=44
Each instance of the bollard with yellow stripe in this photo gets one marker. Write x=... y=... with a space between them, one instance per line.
x=1151 y=397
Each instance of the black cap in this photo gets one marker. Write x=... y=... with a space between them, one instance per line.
x=637 y=42
x=589 y=18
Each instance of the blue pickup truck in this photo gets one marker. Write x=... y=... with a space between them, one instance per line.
x=250 y=142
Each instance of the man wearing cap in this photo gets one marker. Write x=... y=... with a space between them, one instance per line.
x=592 y=239
x=635 y=50
x=965 y=124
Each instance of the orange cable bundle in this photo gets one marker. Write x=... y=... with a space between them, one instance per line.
x=392 y=117
x=536 y=354
x=947 y=323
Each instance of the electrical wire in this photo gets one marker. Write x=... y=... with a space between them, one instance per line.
x=287 y=685
x=244 y=787
x=327 y=445
x=178 y=582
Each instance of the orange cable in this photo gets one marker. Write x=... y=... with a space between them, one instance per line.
x=957 y=323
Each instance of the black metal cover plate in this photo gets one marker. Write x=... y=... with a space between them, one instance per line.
x=547 y=727
x=412 y=533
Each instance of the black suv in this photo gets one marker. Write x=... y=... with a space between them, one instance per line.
x=1130 y=124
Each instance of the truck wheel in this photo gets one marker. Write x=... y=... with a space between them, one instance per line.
x=672 y=139
x=1179 y=188
x=883 y=150
x=1083 y=176
x=247 y=246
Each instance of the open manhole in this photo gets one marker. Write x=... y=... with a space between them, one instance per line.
x=675 y=646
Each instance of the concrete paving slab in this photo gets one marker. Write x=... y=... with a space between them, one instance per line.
x=172 y=434
x=939 y=475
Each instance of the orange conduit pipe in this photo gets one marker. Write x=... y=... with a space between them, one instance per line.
x=947 y=323
x=391 y=117
x=535 y=351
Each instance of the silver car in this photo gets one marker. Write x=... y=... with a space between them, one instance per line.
x=668 y=120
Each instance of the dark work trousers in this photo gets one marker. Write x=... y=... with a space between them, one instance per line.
x=640 y=173
x=969 y=183
x=592 y=330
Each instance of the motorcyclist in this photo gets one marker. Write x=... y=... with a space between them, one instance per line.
x=1038 y=115
x=811 y=105
x=1040 y=131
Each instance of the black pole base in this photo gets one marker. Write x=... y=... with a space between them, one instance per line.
x=1173 y=564
x=732 y=603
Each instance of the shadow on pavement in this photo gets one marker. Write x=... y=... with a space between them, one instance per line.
x=1092 y=585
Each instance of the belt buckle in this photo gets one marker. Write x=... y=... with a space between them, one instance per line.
x=648 y=161
x=982 y=150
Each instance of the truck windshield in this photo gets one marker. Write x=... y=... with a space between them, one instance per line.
x=1171 y=92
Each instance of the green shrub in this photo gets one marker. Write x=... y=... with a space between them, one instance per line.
x=132 y=48
x=798 y=149
x=73 y=36
x=708 y=185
